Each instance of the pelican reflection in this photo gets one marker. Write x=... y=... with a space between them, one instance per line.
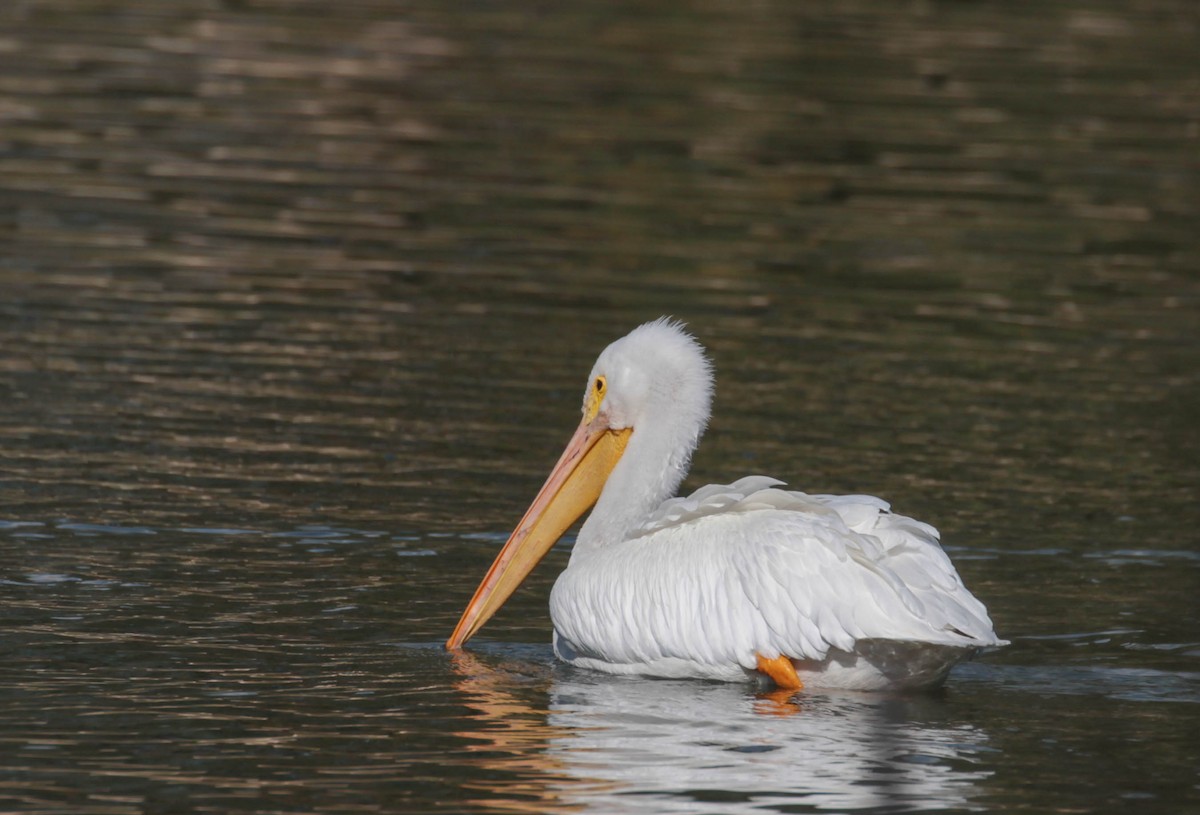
x=586 y=742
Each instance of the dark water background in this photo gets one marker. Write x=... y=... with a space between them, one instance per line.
x=296 y=302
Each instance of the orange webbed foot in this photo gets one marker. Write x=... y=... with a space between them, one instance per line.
x=781 y=671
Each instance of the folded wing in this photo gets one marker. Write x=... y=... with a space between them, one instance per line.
x=734 y=571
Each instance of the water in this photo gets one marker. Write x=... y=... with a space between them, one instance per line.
x=296 y=310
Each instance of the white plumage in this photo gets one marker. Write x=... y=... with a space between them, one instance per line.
x=730 y=572
x=712 y=584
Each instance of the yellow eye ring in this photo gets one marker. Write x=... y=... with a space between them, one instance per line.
x=595 y=396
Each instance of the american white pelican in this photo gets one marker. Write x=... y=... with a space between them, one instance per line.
x=734 y=581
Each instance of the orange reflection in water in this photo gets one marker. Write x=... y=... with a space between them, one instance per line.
x=512 y=739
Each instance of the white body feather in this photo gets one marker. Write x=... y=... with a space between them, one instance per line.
x=857 y=596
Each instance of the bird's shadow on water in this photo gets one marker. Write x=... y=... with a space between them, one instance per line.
x=596 y=742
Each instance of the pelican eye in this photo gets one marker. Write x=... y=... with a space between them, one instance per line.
x=595 y=397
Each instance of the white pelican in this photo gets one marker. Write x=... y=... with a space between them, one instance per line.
x=734 y=581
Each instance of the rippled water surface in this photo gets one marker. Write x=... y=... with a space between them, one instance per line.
x=296 y=302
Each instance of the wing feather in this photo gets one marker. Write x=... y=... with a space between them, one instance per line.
x=746 y=568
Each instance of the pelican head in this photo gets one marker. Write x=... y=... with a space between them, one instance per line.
x=656 y=373
x=645 y=406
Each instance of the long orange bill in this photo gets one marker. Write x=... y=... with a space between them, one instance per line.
x=573 y=486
